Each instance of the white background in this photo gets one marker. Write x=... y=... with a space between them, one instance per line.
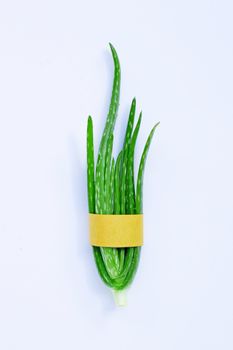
x=55 y=69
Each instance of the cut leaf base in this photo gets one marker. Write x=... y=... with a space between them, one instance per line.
x=120 y=297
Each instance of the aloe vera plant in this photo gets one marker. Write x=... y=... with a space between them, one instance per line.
x=112 y=188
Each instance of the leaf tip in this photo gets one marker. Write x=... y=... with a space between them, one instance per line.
x=155 y=126
x=112 y=48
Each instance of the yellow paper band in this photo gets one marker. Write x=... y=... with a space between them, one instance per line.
x=116 y=230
